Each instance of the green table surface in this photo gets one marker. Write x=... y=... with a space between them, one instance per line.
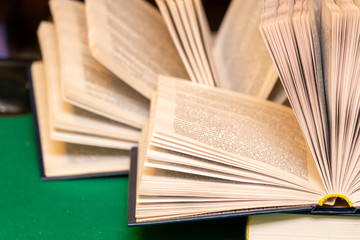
x=76 y=209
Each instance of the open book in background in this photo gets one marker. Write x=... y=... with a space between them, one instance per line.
x=209 y=152
x=115 y=116
x=70 y=123
x=62 y=160
x=102 y=60
x=137 y=43
x=298 y=226
x=85 y=82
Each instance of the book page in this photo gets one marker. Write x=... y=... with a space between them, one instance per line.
x=144 y=142
x=85 y=82
x=190 y=32
x=287 y=31
x=241 y=58
x=347 y=102
x=64 y=159
x=91 y=140
x=297 y=226
x=308 y=76
x=187 y=194
x=64 y=116
x=215 y=150
x=131 y=39
x=223 y=122
x=157 y=157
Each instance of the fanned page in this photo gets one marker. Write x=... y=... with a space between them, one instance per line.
x=298 y=226
x=65 y=159
x=240 y=55
x=131 y=39
x=289 y=30
x=341 y=45
x=85 y=82
x=211 y=150
x=188 y=27
x=318 y=63
x=66 y=119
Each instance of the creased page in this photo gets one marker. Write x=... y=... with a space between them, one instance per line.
x=240 y=55
x=130 y=38
x=85 y=82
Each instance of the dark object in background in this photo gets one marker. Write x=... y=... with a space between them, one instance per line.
x=7 y=30
x=214 y=9
x=14 y=92
x=19 y=20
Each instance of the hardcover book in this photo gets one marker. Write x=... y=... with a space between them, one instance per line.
x=208 y=151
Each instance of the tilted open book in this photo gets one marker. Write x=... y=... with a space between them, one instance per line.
x=212 y=152
x=102 y=60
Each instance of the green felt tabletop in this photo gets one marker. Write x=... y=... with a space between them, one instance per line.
x=75 y=209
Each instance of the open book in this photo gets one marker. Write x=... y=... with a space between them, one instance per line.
x=212 y=150
x=102 y=60
x=84 y=104
x=209 y=152
x=68 y=160
x=137 y=43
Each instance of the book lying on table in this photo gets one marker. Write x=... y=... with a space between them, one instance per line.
x=299 y=226
x=208 y=152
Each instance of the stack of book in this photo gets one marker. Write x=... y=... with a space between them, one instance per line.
x=117 y=74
